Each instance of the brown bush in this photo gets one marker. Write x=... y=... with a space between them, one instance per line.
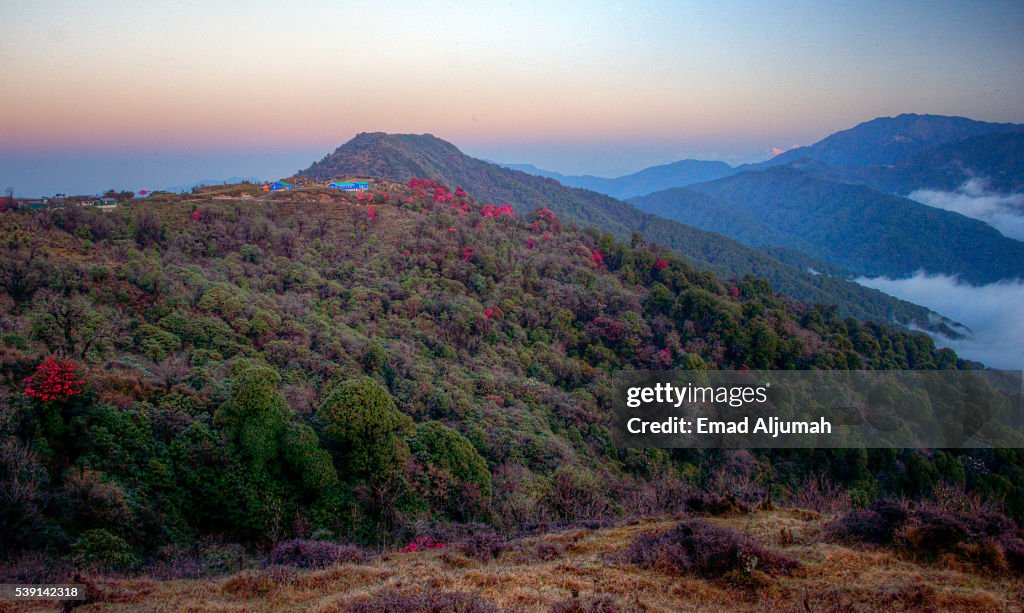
x=930 y=531
x=714 y=505
x=697 y=547
x=393 y=601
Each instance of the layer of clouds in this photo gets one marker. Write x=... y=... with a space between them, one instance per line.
x=1004 y=212
x=992 y=312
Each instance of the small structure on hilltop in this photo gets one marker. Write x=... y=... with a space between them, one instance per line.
x=350 y=186
x=279 y=185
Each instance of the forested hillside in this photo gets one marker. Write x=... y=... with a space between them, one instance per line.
x=400 y=157
x=853 y=227
x=249 y=368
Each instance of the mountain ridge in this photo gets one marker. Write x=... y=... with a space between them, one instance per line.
x=888 y=140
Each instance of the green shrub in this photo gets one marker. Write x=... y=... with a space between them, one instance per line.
x=105 y=550
x=439 y=446
x=364 y=429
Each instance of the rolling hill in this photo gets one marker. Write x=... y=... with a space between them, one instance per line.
x=400 y=157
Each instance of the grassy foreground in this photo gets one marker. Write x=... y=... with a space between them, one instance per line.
x=583 y=570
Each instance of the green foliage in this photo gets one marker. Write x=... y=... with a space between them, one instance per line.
x=364 y=430
x=223 y=300
x=255 y=417
x=450 y=457
x=306 y=457
x=156 y=344
x=105 y=550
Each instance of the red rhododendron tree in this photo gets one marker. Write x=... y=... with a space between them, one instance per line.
x=661 y=264
x=493 y=211
x=597 y=258
x=371 y=212
x=55 y=379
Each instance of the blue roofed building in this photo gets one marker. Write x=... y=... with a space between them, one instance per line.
x=350 y=186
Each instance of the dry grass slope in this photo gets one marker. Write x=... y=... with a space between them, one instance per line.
x=581 y=570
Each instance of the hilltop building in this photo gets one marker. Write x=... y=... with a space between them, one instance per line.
x=350 y=186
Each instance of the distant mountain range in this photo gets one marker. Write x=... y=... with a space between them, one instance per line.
x=403 y=156
x=655 y=178
x=896 y=155
x=838 y=200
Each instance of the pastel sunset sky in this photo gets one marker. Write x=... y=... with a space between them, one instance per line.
x=126 y=94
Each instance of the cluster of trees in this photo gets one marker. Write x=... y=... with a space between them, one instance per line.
x=265 y=370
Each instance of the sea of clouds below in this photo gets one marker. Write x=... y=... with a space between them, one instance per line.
x=993 y=313
x=1004 y=212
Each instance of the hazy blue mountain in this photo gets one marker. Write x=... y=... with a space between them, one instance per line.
x=889 y=140
x=848 y=225
x=530 y=169
x=403 y=156
x=655 y=178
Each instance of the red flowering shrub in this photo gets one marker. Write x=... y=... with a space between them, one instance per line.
x=734 y=292
x=467 y=253
x=597 y=258
x=371 y=212
x=416 y=182
x=441 y=194
x=530 y=243
x=494 y=312
x=423 y=543
x=661 y=264
x=197 y=215
x=547 y=219
x=461 y=193
x=55 y=379
x=492 y=211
